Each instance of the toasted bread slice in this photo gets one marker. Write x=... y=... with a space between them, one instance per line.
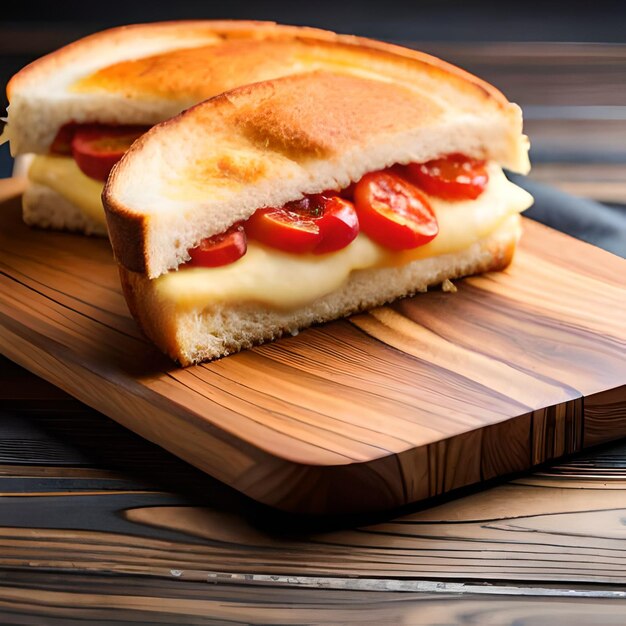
x=269 y=143
x=146 y=73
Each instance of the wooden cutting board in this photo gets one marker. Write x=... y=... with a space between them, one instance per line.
x=386 y=408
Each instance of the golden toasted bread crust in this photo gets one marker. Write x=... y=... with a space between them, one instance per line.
x=195 y=73
x=236 y=55
x=146 y=73
x=319 y=114
x=129 y=229
x=120 y=35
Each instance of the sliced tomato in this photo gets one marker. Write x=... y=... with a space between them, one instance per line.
x=348 y=192
x=220 y=249
x=338 y=225
x=317 y=223
x=96 y=149
x=291 y=228
x=62 y=143
x=393 y=212
x=397 y=169
x=454 y=177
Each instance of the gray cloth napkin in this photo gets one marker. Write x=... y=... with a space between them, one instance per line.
x=603 y=225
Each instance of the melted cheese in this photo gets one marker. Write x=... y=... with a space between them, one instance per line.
x=283 y=280
x=65 y=177
x=286 y=281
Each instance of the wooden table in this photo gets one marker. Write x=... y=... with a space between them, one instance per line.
x=98 y=526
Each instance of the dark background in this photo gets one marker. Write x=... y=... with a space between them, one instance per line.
x=28 y=29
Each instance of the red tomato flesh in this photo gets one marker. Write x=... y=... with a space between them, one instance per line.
x=317 y=224
x=97 y=149
x=338 y=225
x=454 y=177
x=290 y=229
x=348 y=192
x=393 y=212
x=62 y=143
x=220 y=249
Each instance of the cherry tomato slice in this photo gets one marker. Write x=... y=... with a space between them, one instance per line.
x=291 y=228
x=97 y=149
x=220 y=249
x=393 y=212
x=454 y=177
x=348 y=192
x=338 y=225
x=316 y=223
x=62 y=142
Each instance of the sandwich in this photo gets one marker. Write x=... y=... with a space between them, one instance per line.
x=80 y=108
x=305 y=198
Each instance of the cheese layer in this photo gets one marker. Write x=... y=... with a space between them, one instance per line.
x=282 y=280
x=61 y=174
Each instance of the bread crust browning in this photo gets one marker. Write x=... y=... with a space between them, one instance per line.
x=151 y=87
x=121 y=35
x=318 y=114
x=129 y=233
x=179 y=31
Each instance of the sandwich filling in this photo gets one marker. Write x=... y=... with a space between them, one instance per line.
x=279 y=278
x=286 y=258
x=62 y=175
x=80 y=160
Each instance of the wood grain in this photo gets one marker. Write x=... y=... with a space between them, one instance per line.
x=400 y=404
x=145 y=519
x=110 y=602
x=105 y=601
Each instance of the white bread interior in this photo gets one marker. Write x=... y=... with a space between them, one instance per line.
x=191 y=335
x=269 y=143
x=45 y=208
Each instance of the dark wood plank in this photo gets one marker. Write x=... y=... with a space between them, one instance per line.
x=543 y=74
x=603 y=411
x=142 y=513
x=125 y=600
x=368 y=414
x=603 y=182
x=64 y=600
